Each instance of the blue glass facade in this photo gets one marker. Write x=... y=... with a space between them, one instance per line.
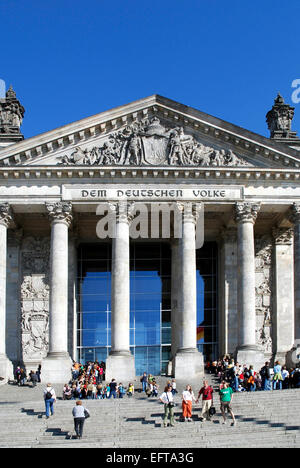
x=150 y=303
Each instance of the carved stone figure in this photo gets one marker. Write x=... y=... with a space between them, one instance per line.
x=263 y=267
x=35 y=298
x=148 y=142
x=11 y=113
x=279 y=120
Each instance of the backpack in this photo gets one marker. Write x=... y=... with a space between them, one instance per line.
x=49 y=395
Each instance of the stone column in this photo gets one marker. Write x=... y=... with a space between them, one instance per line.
x=283 y=316
x=247 y=351
x=6 y=220
x=175 y=299
x=120 y=363
x=188 y=360
x=294 y=354
x=56 y=367
x=228 y=320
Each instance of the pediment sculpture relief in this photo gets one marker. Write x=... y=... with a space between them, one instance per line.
x=150 y=143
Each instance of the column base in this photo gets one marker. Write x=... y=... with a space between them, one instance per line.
x=56 y=368
x=6 y=368
x=188 y=364
x=250 y=356
x=120 y=366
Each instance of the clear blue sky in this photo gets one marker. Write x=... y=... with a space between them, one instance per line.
x=69 y=59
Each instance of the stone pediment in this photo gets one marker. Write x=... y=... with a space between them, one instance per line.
x=150 y=143
x=154 y=132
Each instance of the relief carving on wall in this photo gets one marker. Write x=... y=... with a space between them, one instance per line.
x=263 y=276
x=148 y=142
x=35 y=298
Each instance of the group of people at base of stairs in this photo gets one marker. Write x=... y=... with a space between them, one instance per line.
x=243 y=378
x=206 y=394
x=22 y=379
x=88 y=384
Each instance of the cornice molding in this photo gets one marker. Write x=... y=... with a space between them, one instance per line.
x=175 y=173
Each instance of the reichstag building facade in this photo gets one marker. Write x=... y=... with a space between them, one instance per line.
x=153 y=237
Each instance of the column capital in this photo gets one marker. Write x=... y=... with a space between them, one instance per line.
x=282 y=236
x=190 y=211
x=60 y=212
x=6 y=215
x=123 y=211
x=294 y=214
x=246 y=212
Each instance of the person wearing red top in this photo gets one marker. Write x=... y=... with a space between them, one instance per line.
x=207 y=400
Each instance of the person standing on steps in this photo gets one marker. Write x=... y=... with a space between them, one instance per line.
x=226 y=399
x=167 y=399
x=50 y=399
x=207 y=400
x=80 y=414
x=187 y=403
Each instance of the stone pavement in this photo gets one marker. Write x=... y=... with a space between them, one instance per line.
x=264 y=419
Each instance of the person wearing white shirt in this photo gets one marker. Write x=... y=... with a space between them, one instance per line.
x=167 y=399
x=50 y=399
x=187 y=403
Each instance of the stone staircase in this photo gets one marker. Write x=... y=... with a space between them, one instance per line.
x=264 y=419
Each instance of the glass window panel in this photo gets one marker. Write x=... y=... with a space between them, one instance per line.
x=141 y=360
x=153 y=356
x=166 y=284
x=147 y=302
x=205 y=266
x=147 y=251
x=94 y=321
x=166 y=353
x=152 y=266
x=147 y=336
x=143 y=284
x=166 y=301
x=166 y=336
x=94 y=303
x=166 y=317
x=95 y=251
x=94 y=338
x=209 y=300
x=101 y=354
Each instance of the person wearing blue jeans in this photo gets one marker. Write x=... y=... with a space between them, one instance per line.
x=144 y=381
x=113 y=389
x=50 y=399
x=277 y=376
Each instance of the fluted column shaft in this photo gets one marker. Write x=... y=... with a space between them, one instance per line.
x=246 y=215
x=5 y=221
x=188 y=283
x=120 y=318
x=61 y=217
x=295 y=218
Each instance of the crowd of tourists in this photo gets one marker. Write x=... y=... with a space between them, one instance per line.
x=243 y=378
x=88 y=382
